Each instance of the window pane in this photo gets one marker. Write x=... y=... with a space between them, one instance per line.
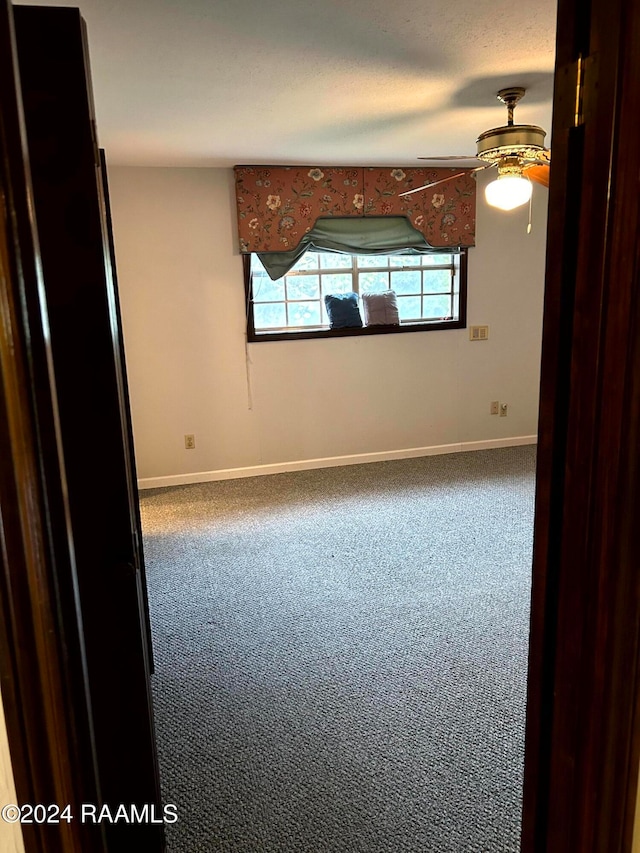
x=409 y=307
x=297 y=300
x=368 y=261
x=405 y=260
x=309 y=261
x=406 y=282
x=269 y=316
x=303 y=287
x=337 y=283
x=334 y=261
x=373 y=282
x=256 y=264
x=304 y=314
x=265 y=290
x=437 y=306
x=437 y=280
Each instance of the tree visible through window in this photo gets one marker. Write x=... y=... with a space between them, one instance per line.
x=430 y=291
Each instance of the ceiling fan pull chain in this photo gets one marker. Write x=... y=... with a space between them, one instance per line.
x=530 y=203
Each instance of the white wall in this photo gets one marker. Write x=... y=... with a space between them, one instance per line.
x=182 y=295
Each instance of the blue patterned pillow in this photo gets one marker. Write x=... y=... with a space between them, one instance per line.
x=343 y=310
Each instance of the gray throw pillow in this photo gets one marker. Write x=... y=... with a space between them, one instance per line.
x=380 y=309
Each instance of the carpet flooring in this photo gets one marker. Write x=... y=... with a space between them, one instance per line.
x=341 y=656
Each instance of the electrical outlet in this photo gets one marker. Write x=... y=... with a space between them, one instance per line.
x=503 y=410
x=190 y=442
x=495 y=407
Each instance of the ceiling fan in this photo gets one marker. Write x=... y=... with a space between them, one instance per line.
x=516 y=150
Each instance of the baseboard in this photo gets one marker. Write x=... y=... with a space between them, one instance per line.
x=332 y=462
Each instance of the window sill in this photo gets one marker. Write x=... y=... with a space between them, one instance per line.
x=365 y=331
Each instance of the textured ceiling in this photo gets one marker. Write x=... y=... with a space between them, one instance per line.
x=191 y=82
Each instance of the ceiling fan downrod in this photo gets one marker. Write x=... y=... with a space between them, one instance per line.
x=510 y=98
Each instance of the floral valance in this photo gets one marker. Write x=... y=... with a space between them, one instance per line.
x=278 y=205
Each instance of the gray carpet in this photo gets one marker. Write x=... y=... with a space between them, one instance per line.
x=341 y=656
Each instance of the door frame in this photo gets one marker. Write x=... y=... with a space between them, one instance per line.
x=581 y=768
x=42 y=663
x=582 y=739
x=87 y=353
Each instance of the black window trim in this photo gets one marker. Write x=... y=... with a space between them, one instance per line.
x=436 y=326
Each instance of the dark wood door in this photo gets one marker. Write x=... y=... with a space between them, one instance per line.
x=88 y=364
x=133 y=478
x=582 y=744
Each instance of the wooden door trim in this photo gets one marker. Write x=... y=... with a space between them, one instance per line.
x=44 y=693
x=91 y=390
x=582 y=753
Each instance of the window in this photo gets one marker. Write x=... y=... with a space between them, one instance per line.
x=430 y=290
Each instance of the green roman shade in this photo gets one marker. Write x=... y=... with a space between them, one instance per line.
x=375 y=235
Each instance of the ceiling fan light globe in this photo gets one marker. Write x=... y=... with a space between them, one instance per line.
x=508 y=192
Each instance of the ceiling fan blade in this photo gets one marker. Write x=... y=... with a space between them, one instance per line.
x=543 y=158
x=538 y=173
x=451 y=157
x=432 y=184
x=448 y=178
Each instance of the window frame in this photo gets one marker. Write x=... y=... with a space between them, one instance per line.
x=298 y=334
